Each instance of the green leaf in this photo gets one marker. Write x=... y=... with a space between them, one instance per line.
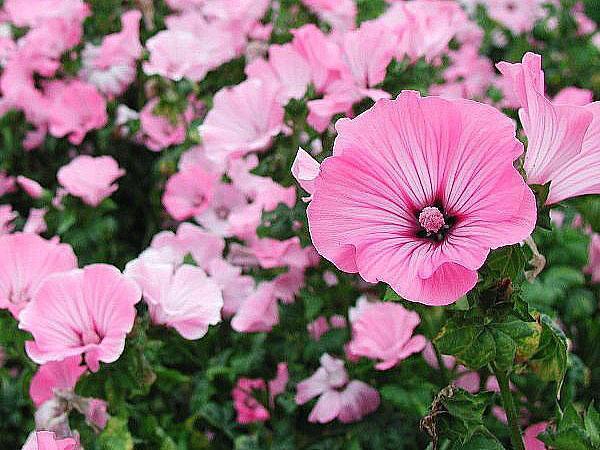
x=550 y=361
x=592 y=425
x=414 y=400
x=472 y=345
x=115 y=435
x=506 y=262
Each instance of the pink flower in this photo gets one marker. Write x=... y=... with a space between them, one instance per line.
x=7 y=183
x=183 y=298
x=563 y=140
x=179 y=53
x=171 y=248
x=158 y=131
x=46 y=440
x=244 y=119
x=32 y=13
x=423 y=27
x=55 y=375
x=90 y=178
x=530 y=436
x=249 y=410
x=259 y=312
x=277 y=385
x=286 y=68
x=321 y=54
x=226 y=202
x=85 y=311
x=573 y=96
x=236 y=287
x=593 y=266
x=351 y=404
x=111 y=66
x=27 y=260
x=318 y=327
x=96 y=414
x=384 y=332
x=518 y=16
x=31 y=187
x=340 y=14
x=189 y=192
x=74 y=108
x=454 y=157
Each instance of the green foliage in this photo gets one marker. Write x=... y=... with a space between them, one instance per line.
x=574 y=432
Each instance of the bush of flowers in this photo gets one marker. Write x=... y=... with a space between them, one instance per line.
x=299 y=224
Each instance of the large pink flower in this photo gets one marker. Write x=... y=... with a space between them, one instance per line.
x=417 y=192
x=90 y=178
x=46 y=440
x=27 y=260
x=183 y=298
x=384 y=331
x=530 y=436
x=563 y=140
x=84 y=311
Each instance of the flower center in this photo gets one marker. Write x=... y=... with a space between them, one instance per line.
x=431 y=219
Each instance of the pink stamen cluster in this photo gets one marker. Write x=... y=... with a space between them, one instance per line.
x=431 y=219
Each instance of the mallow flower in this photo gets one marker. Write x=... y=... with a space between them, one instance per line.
x=46 y=440
x=85 y=311
x=27 y=259
x=384 y=332
x=416 y=194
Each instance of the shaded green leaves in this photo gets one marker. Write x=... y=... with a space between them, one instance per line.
x=550 y=361
x=115 y=435
x=574 y=432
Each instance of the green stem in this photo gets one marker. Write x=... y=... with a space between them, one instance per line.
x=511 y=412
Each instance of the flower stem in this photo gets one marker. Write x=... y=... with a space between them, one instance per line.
x=509 y=407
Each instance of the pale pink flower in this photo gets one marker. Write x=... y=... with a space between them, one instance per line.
x=55 y=375
x=385 y=332
x=573 y=96
x=321 y=53
x=226 y=202
x=285 y=68
x=171 y=248
x=277 y=385
x=259 y=312
x=340 y=14
x=563 y=146
x=236 y=287
x=183 y=298
x=46 y=440
x=179 y=53
x=350 y=404
x=7 y=215
x=74 y=108
x=31 y=187
x=90 y=178
x=368 y=51
x=423 y=28
x=85 y=311
x=158 y=131
x=244 y=119
x=593 y=266
x=271 y=253
x=27 y=260
x=35 y=221
x=518 y=16
x=249 y=410
x=111 y=67
x=530 y=436
x=417 y=192
x=189 y=192
x=32 y=13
